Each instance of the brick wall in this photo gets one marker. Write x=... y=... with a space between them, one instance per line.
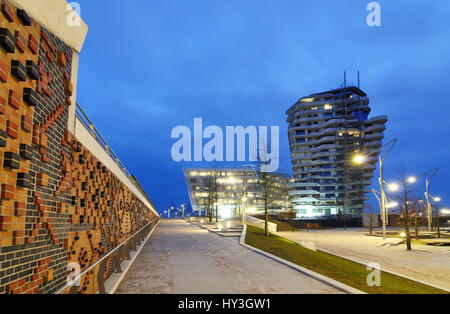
x=59 y=204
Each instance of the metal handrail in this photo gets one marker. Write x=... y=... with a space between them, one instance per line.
x=71 y=284
x=87 y=123
x=96 y=134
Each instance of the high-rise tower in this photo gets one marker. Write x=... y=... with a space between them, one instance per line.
x=326 y=131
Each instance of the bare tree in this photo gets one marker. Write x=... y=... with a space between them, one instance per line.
x=370 y=219
x=438 y=222
x=406 y=212
x=268 y=183
x=212 y=190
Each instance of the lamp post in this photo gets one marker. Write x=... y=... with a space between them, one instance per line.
x=359 y=159
x=436 y=200
x=392 y=204
x=430 y=174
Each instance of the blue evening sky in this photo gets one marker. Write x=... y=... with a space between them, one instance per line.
x=148 y=66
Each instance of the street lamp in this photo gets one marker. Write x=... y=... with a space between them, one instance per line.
x=359 y=159
x=430 y=175
x=436 y=199
x=390 y=205
x=393 y=187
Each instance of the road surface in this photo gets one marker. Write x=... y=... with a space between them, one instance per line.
x=184 y=258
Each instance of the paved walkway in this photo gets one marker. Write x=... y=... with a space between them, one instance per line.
x=183 y=258
x=426 y=263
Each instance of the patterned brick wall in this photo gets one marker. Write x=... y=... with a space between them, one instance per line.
x=59 y=204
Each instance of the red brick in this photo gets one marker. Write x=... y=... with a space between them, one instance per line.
x=42 y=179
x=27 y=122
x=8 y=191
x=12 y=286
x=33 y=44
x=7 y=11
x=50 y=78
x=4 y=71
x=19 y=234
x=47 y=40
x=20 y=41
x=2 y=105
x=49 y=56
x=12 y=129
x=68 y=87
x=62 y=59
x=14 y=99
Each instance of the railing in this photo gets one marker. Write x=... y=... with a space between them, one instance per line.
x=81 y=115
x=86 y=122
x=116 y=255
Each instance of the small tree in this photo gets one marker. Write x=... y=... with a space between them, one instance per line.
x=272 y=188
x=212 y=190
x=406 y=213
x=370 y=219
x=438 y=223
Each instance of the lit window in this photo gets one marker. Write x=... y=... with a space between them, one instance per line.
x=328 y=107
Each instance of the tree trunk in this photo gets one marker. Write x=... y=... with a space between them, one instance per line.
x=438 y=225
x=408 y=237
x=416 y=227
x=266 y=207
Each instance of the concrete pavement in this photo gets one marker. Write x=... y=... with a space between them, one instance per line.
x=183 y=258
x=425 y=263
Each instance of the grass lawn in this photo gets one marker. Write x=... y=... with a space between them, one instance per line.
x=282 y=226
x=337 y=268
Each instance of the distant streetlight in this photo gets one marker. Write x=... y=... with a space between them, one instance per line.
x=394 y=187
x=392 y=205
x=412 y=180
x=445 y=211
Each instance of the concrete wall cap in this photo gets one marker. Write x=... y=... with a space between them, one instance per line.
x=54 y=14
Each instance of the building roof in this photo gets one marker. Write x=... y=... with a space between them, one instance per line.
x=352 y=89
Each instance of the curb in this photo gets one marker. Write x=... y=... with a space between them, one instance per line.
x=114 y=281
x=328 y=281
